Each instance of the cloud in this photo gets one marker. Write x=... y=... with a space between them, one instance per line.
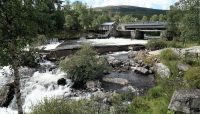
x=158 y=4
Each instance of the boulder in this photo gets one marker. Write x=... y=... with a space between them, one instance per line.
x=186 y=101
x=62 y=82
x=99 y=94
x=132 y=54
x=162 y=70
x=183 y=67
x=93 y=85
x=119 y=81
x=128 y=89
x=140 y=70
x=114 y=62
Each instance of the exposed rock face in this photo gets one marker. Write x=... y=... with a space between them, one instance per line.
x=62 y=82
x=162 y=70
x=186 y=101
x=116 y=80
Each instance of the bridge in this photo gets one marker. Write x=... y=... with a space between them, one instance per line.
x=133 y=30
x=145 y=26
x=139 y=30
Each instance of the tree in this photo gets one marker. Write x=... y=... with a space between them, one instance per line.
x=20 y=21
x=128 y=19
x=184 y=18
x=161 y=18
x=99 y=20
x=116 y=17
x=154 y=18
x=174 y=21
x=144 y=19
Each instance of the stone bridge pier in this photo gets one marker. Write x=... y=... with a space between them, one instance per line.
x=139 y=34
x=136 y=34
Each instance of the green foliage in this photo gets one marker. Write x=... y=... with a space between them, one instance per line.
x=39 y=40
x=28 y=59
x=99 y=20
x=168 y=54
x=128 y=19
x=162 y=18
x=193 y=77
x=175 y=44
x=139 y=106
x=156 y=44
x=60 y=106
x=144 y=19
x=154 y=18
x=183 y=20
x=155 y=92
x=84 y=65
x=191 y=59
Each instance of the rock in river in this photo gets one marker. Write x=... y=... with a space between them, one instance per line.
x=119 y=81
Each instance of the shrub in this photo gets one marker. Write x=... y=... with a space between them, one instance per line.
x=40 y=40
x=156 y=44
x=139 y=106
x=155 y=92
x=28 y=59
x=84 y=66
x=193 y=77
x=56 y=106
x=175 y=44
x=168 y=54
x=191 y=59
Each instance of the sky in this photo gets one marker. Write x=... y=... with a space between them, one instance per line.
x=156 y=4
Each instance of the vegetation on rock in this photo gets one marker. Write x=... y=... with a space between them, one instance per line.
x=84 y=66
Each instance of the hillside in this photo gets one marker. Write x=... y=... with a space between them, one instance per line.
x=131 y=10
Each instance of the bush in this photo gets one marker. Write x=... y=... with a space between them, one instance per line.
x=84 y=66
x=193 y=77
x=56 y=106
x=28 y=59
x=139 y=106
x=191 y=59
x=156 y=44
x=40 y=40
x=168 y=54
x=175 y=44
x=155 y=92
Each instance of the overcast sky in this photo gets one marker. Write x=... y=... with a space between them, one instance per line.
x=156 y=4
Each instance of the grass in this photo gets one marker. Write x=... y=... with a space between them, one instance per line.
x=193 y=77
x=168 y=55
x=156 y=44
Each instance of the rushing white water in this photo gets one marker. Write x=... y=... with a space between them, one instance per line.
x=37 y=87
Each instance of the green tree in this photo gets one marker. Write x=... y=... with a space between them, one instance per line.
x=184 y=17
x=128 y=19
x=20 y=21
x=161 y=17
x=174 y=21
x=144 y=19
x=154 y=18
x=99 y=20
x=116 y=17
